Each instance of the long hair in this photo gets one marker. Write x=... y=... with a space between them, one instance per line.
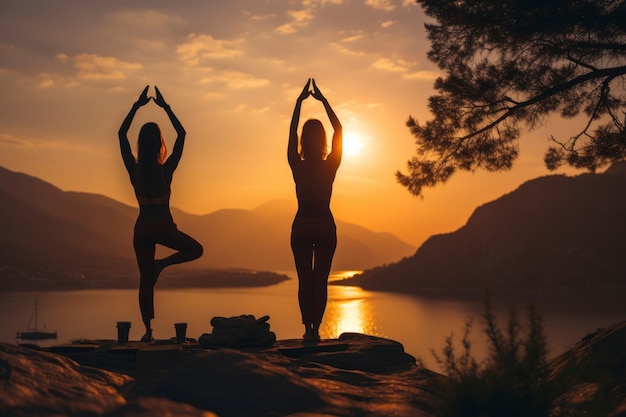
x=313 y=140
x=150 y=145
x=151 y=153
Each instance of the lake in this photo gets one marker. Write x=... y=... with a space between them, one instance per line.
x=420 y=324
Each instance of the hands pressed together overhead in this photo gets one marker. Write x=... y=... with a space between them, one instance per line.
x=144 y=99
x=160 y=101
x=306 y=91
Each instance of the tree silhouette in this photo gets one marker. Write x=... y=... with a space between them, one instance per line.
x=507 y=66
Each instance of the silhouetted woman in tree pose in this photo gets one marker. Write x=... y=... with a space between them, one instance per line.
x=151 y=176
x=313 y=233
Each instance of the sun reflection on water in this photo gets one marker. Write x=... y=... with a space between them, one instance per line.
x=339 y=275
x=349 y=309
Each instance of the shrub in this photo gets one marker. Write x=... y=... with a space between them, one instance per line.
x=510 y=382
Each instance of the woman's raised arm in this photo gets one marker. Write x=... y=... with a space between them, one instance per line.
x=177 y=150
x=292 y=148
x=127 y=154
x=337 y=143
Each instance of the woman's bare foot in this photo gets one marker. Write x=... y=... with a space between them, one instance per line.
x=315 y=334
x=147 y=337
x=310 y=336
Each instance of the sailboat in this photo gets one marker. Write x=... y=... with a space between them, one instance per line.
x=33 y=333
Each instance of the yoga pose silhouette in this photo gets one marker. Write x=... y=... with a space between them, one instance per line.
x=151 y=176
x=313 y=233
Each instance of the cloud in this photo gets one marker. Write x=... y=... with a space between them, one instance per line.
x=423 y=75
x=353 y=38
x=200 y=47
x=94 y=67
x=258 y=17
x=405 y=68
x=146 y=19
x=349 y=113
x=387 y=64
x=7 y=139
x=386 y=5
x=238 y=80
x=301 y=18
x=233 y=79
x=46 y=80
x=242 y=108
x=346 y=51
x=322 y=2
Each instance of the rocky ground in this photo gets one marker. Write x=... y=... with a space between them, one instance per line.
x=354 y=375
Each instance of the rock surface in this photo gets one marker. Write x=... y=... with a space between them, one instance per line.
x=592 y=375
x=39 y=383
x=354 y=375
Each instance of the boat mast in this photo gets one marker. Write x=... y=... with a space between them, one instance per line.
x=36 y=308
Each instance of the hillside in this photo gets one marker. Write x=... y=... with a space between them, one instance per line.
x=57 y=237
x=259 y=239
x=553 y=233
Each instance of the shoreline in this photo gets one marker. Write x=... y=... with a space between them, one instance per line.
x=177 y=279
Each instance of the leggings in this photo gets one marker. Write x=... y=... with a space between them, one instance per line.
x=313 y=242
x=148 y=233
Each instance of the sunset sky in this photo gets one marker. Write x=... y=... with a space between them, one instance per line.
x=231 y=71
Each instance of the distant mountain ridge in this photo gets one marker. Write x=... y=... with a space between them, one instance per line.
x=46 y=229
x=553 y=233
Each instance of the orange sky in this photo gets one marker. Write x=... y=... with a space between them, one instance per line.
x=231 y=71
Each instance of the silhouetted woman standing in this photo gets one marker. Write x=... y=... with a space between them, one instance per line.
x=313 y=233
x=151 y=176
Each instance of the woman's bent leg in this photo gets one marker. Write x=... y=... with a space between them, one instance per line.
x=187 y=249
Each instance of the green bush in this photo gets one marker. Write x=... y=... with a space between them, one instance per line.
x=510 y=382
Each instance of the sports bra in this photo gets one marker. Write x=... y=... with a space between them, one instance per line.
x=160 y=200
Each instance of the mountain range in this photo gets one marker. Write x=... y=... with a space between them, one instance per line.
x=47 y=232
x=553 y=234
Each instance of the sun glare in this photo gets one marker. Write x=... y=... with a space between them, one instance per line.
x=352 y=144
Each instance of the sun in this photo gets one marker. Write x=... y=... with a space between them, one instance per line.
x=352 y=144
